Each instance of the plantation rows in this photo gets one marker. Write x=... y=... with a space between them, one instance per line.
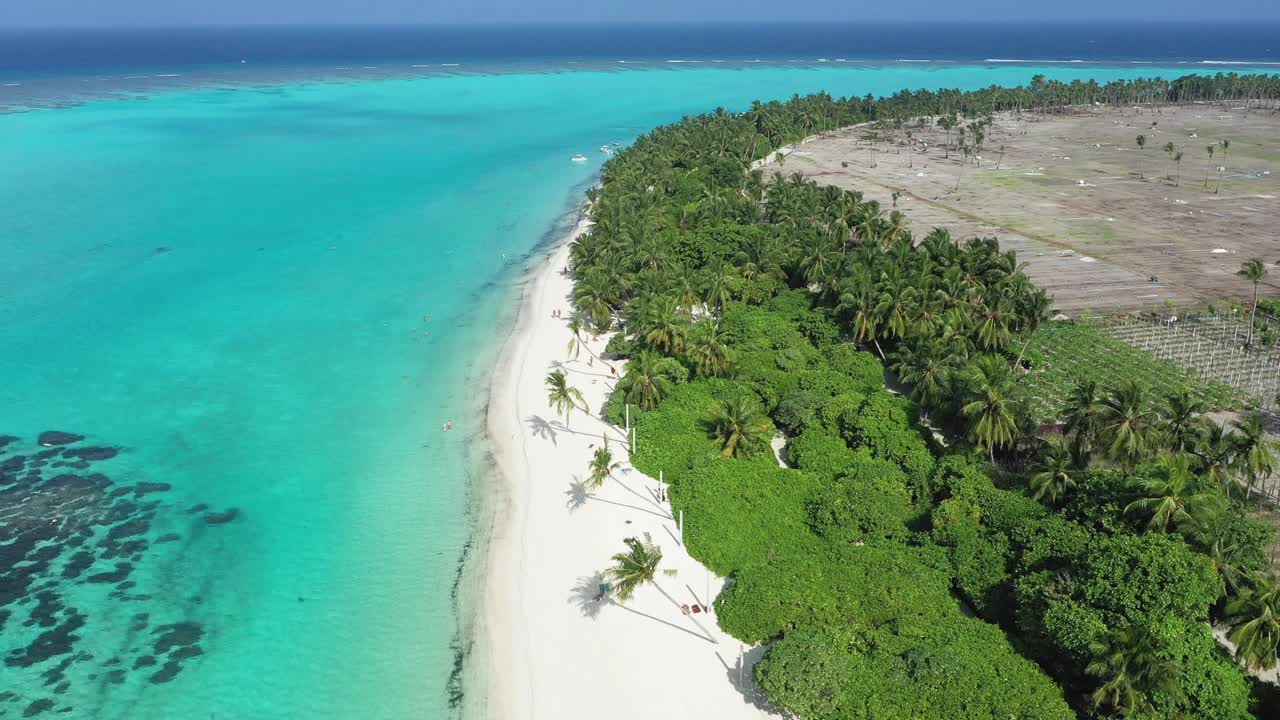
x=1062 y=355
x=1204 y=347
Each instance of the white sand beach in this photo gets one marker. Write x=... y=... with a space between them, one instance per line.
x=544 y=647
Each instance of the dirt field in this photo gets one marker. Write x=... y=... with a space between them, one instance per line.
x=1068 y=197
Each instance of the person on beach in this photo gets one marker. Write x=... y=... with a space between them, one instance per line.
x=447 y=426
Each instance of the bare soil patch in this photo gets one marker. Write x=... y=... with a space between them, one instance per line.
x=1094 y=217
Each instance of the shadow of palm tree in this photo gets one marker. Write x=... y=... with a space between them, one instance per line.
x=578 y=494
x=672 y=625
x=663 y=511
x=558 y=426
x=584 y=595
x=541 y=428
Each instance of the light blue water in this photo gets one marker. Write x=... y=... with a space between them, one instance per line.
x=275 y=358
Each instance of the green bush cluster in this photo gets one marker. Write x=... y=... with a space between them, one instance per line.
x=827 y=560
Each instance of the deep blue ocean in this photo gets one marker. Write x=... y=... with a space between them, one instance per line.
x=258 y=269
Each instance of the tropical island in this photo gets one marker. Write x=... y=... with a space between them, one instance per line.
x=918 y=495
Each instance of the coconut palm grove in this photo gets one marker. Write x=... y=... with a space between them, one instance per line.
x=926 y=546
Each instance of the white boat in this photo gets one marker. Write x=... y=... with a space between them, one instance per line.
x=579 y=158
x=606 y=149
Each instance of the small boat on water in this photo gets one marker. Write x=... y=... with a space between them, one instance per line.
x=606 y=149
x=579 y=158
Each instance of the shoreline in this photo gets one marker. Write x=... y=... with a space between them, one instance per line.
x=493 y=506
x=538 y=645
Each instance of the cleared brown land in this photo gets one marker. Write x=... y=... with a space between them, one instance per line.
x=1068 y=198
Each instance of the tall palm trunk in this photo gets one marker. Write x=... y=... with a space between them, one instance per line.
x=1252 y=315
x=1023 y=351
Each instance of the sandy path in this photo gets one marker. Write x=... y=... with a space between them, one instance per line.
x=544 y=648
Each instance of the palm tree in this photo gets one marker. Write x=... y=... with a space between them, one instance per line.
x=1254 y=458
x=645 y=384
x=562 y=396
x=575 y=342
x=1083 y=419
x=1035 y=310
x=993 y=326
x=1130 y=665
x=1175 y=496
x=1215 y=534
x=1128 y=423
x=706 y=349
x=602 y=465
x=1254 y=617
x=1142 y=143
x=1177 y=158
x=1053 y=475
x=1208 y=149
x=991 y=412
x=665 y=325
x=636 y=567
x=1254 y=270
x=1181 y=410
x=739 y=426
x=1217 y=449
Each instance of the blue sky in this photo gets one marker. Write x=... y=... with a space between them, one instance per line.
x=14 y=13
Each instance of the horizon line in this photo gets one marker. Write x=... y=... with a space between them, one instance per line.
x=639 y=23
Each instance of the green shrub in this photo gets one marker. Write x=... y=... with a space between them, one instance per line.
x=743 y=512
x=841 y=410
x=863 y=368
x=870 y=500
x=820 y=452
x=819 y=327
x=881 y=426
x=790 y=360
x=755 y=328
x=981 y=572
x=620 y=346
x=673 y=438
x=893 y=646
x=953 y=518
x=1211 y=686
x=1053 y=543
x=797 y=411
x=860 y=589
x=1143 y=578
x=615 y=408
x=805 y=673
x=825 y=381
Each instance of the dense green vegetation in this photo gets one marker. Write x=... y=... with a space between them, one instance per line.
x=927 y=554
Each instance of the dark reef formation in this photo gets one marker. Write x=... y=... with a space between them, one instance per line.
x=66 y=525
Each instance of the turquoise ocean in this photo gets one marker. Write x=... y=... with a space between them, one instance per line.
x=270 y=298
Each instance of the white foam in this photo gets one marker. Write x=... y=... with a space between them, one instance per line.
x=169 y=75
x=1236 y=62
x=1037 y=62
x=450 y=64
x=12 y=84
